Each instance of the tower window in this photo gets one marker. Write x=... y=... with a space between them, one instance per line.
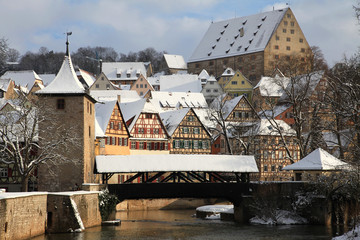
x=61 y=103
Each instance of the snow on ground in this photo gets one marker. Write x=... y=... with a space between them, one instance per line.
x=282 y=217
x=353 y=234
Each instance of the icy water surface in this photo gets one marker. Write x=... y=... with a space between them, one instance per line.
x=180 y=224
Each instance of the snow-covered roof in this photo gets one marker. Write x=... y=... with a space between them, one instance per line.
x=204 y=74
x=47 y=78
x=111 y=69
x=238 y=36
x=180 y=83
x=103 y=113
x=9 y=195
x=172 y=119
x=134 y=109
x=305 y=82
x=277 y=110
x=110 y=95
x=24 y=78
x=65 y=82
x=175 y=162
x=265 y=128
x=170 y=100
x=4 y=84
x=319 y=160
x=272 y=86
x=228 y=72
x=88 y=78
x=230 y=105
x=175 y=61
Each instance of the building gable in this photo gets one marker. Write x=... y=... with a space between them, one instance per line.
x=141 y=86
x=103 y=83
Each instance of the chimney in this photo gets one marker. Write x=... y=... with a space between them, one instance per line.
x=119 y=98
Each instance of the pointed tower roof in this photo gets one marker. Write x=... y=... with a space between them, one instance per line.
x=66 y=81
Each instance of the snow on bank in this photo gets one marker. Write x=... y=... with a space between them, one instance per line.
x=352 y=234
x=281 y=217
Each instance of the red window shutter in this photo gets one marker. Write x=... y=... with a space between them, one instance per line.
x=169 y=145
x=145 y=143
x=152 y=146
x=137 y=145
x=158 y=146
x=110 y=140
x=160 y=131
x=123 y=141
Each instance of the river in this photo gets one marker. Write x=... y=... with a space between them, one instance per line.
x=180 y=224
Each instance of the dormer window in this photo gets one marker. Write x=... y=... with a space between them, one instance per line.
x=226 y=25
x=231 y=44
x=263 y=19
x=239 y=48
x=213 y=46
x=236 y=36
x=244 y=22
x=118 y=75
x=218 y=39
x=250 y=41
x=138 y=75
x=259 y=26
x=128 y=75
x=209 y=53
x=222 y=32
x=227 y=51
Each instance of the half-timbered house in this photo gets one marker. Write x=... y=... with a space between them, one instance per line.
x=148 y=134
x=188 y=134
x=274 y=145
x=112 y=135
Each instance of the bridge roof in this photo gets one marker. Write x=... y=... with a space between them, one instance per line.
x=175 y=163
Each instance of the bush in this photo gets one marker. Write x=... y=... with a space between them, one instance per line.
x=107 y=204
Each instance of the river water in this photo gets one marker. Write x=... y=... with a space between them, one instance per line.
x=181 y=224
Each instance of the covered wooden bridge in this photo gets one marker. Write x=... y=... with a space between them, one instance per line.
x=176 y=175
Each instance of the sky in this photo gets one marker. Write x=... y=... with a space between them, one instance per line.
x=166 y=25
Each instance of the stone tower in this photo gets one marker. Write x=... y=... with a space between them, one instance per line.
x=67 y=105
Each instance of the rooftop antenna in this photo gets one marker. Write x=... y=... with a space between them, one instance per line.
x=67 y=42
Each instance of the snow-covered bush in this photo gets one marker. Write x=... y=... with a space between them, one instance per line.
x=107 y=204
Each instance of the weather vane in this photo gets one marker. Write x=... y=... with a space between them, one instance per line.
x=67 y=42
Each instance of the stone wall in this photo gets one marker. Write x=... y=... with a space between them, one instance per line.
x=64 y=210
x=22 y=215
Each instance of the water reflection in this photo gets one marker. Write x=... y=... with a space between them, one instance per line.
x=181 y=224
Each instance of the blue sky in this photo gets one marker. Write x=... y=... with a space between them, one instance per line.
x=174 y=26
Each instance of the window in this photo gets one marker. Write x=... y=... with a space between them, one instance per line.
x=177 y=144
x=137 y=85
x=118 y=75
x=197 y=65
x=211 y=83
x=281 y=156
x=284 y=30
x=148 y=115
x=265 y=168
x=252 y=57
x=288 y=39
x=97 y=86
x=61 y=104
x=292 y=24
x=145 y=85
x=276 y=56
x=196 y=144
x=119 y=125
x=3 y=172
x=277 y=38
x=276 y=46
x=190 y=118
x=133 y=145
x=196 y=130
x=128 y=75
x=288 y=48
x=89 y=131
x=301 y=40
x=273 y=168
x=113 y=141
x=207 y=90
x=233 y=82
x=215 y=90
x=111 y=125
x=265 y=154
x=288 y=15
x=285 y=23
x=211 y=63
x=292 y=31
x=185 y=130
x=186 y=144
x=141 y=86
x=125 y=142
x=205 y=145
x=107 y=86
x=141 y=145
x=302 y=49
x=156 y=131
x=273 y=155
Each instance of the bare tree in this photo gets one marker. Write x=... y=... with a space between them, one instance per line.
x=22 y=147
